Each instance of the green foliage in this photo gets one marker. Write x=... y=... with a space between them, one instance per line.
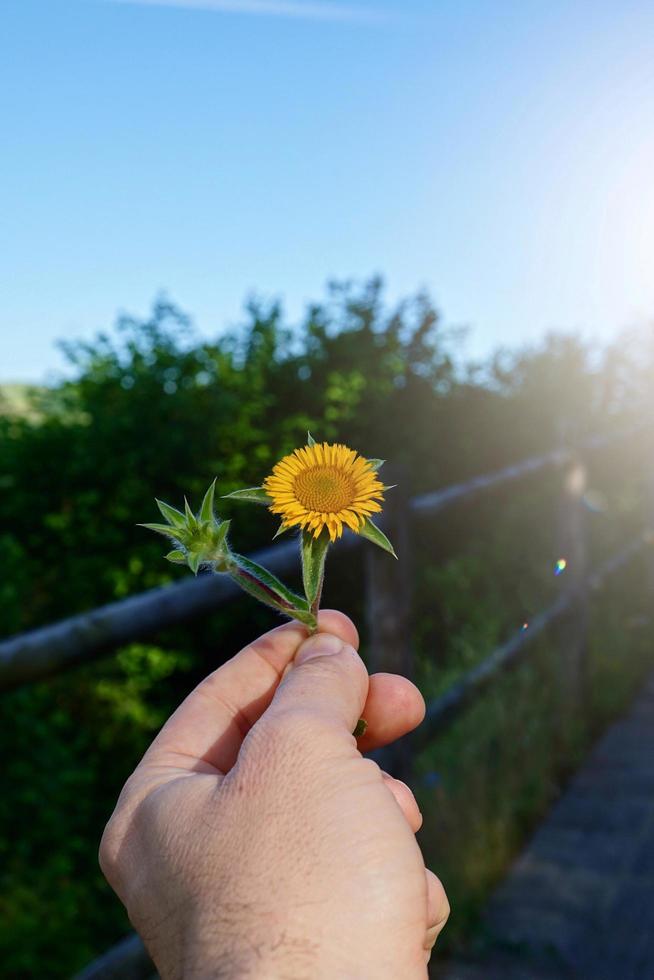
x=155 y=409
x=64 y=748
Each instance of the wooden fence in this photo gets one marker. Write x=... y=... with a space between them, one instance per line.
x=43 y=652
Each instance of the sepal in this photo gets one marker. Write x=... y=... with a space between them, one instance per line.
x=206 y=510
x=191 y=520
x=166 y=529
x=177 y=557
x=172 y=515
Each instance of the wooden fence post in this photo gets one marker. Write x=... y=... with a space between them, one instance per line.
x=573 y=550
x=388 y=607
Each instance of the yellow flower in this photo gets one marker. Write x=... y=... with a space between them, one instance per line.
x=324 y=486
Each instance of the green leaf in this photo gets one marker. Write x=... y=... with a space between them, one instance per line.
x=194 y=560
x=310 y=440
x=376 y=464
x=206 y=511
x=177 y=557
x=170 y=532
x=282 y=529
x=221 y=534
x=191 y=520
x=314 y=551
x=264 y=585
x=373 y=533
x=172 y=515
x=254 y=495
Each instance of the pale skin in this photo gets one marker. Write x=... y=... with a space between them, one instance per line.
x=254 y=840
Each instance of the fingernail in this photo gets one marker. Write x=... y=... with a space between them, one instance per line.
x=320 y=645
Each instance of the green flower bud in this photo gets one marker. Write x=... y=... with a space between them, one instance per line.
x=199 y=539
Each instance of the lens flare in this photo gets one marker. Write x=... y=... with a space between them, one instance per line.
x=560 y=566
x=595 y=501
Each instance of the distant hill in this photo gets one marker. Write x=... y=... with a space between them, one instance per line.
x=14 y=399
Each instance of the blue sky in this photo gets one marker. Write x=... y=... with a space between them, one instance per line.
x=498 y=153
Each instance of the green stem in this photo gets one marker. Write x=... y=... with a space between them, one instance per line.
x=313 y=552
x=256 y=585
x=315 y=605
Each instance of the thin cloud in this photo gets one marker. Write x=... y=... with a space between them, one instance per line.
x=307 y=9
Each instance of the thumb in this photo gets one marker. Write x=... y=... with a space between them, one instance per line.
x=328 y=679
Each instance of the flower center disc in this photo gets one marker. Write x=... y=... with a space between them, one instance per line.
x=324 y=489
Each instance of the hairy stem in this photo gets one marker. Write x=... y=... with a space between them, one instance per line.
x=315 y=605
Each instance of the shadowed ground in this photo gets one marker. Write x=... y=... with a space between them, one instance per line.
x=579 y=902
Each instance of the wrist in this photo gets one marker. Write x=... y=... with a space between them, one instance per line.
x=226 y=944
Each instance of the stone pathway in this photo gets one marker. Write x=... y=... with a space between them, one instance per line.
x=579 y=903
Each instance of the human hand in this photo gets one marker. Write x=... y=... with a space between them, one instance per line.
x=254 y=840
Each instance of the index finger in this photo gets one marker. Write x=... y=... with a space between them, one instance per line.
x=211 y=723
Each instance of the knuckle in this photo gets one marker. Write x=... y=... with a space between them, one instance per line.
x=284 y=742
x=109 y=850
x=297 y=730
x=282 y=737
x=371 y=769
x=293 y=724
x=441 y=901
